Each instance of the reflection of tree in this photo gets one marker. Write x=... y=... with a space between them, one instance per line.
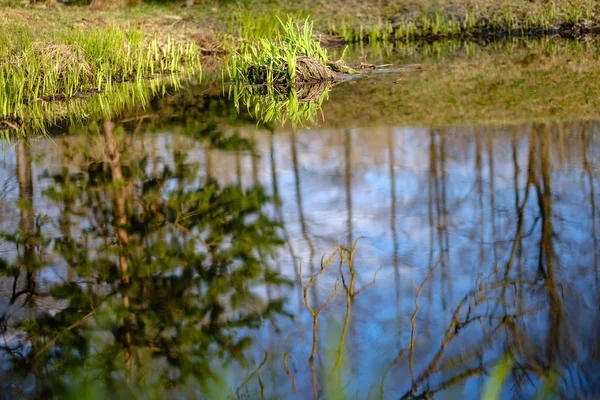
x=165 y=266
x=504 y=306
x=437 y=176
x=26 y=234
x=332 y=379
x=587 y=167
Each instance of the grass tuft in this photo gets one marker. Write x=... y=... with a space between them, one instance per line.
x=293 y=57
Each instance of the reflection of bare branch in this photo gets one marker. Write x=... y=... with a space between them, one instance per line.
x=287 y=371
x=449 y=335
x=521 y=207
x=256 y=372
x=392 y=365
x=413 y=320
x=472 y=300
x=346 y=257
x=315 y=313
x=253 y=373
x=463 y=376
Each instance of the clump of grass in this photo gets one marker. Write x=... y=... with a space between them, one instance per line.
x=294 y=57
x=72 y=64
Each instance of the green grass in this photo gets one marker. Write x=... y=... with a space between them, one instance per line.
x=249 y=25
x=568 y=18
x=371 y=20
x=36 y=69
x=268 y=104
x=110 y=104
x=275 y=61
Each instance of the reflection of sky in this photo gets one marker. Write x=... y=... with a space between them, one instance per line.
x=451 y=209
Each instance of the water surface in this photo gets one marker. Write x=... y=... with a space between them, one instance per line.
x=173 y=251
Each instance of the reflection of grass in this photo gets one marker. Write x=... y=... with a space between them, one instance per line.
x=40 y=116
x=267 y=104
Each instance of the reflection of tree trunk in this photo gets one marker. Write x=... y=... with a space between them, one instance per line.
x=26 y=224
x=255 y=164
x=299 y=201
x=238 y=169
x=588 y=170
x=119 y=199
x=430 y=200
x=65 y=218
x=120 y=210
x=531 y=177
x=301 y=217
x=278 y=205
x=209 y=167
x=479 y=185
x=437 y=161
x=348 y=175
x=515 y=153
x=547 y=247
x=446 y=244
x=393 y=220
x=490 y=151
x=545 y=205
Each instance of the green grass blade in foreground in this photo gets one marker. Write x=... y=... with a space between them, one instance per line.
x=493 y=386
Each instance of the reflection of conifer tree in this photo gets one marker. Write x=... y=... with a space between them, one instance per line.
x=120 y=211
x=27 y=239
x=67 y=200
x=26 y=221
x=166 y=272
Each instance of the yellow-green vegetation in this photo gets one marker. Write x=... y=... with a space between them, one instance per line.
x=468 y=19
x=372 y=20
x=285 y=78
x=506 y=82
x=38 y=68
x=108 y=104
x=219 y=26
x=293 y=57
x=281 y=104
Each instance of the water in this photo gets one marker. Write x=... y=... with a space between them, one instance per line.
x=161 y=255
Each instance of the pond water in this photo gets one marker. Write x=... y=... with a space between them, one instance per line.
x=185 y=250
